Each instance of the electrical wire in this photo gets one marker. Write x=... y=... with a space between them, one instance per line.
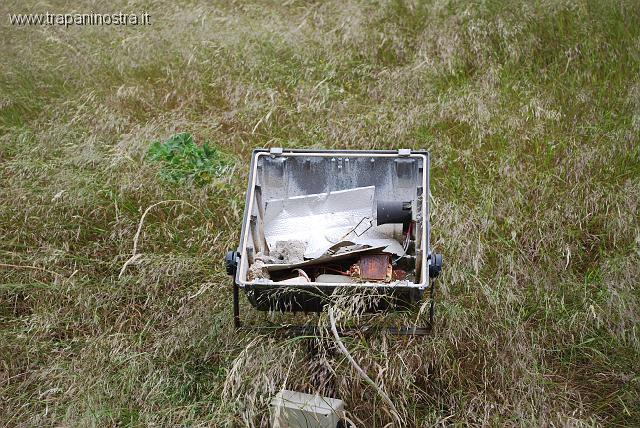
x=337 y=271
x=405 y=245
x=303 y=274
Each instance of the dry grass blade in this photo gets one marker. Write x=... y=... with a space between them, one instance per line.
x=134 y=253
x=6 y=265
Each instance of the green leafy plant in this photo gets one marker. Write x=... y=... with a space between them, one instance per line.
x=183 y=161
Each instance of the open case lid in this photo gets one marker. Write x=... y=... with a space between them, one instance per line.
x=280 y=177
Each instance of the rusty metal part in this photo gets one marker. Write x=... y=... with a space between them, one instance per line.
x=399 y=274
x=374 y=267
x=354 y=270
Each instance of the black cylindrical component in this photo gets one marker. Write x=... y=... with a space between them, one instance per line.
x=435 y=265
x=394 y=212
x=231 y=262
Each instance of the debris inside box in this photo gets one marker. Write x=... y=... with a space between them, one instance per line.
x=345 y=236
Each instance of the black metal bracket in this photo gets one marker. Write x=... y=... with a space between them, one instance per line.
x=231 y=265
x=299 y=330
x=435 y=266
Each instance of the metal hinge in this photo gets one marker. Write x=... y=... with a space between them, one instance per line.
x=404 y=152
x=275 y=150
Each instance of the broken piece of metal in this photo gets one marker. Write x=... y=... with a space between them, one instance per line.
x=322 y=218
x=323 y=260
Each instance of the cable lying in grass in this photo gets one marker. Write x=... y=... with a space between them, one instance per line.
x=362 y=373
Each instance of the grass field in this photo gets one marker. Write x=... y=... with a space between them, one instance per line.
x=531 y=113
